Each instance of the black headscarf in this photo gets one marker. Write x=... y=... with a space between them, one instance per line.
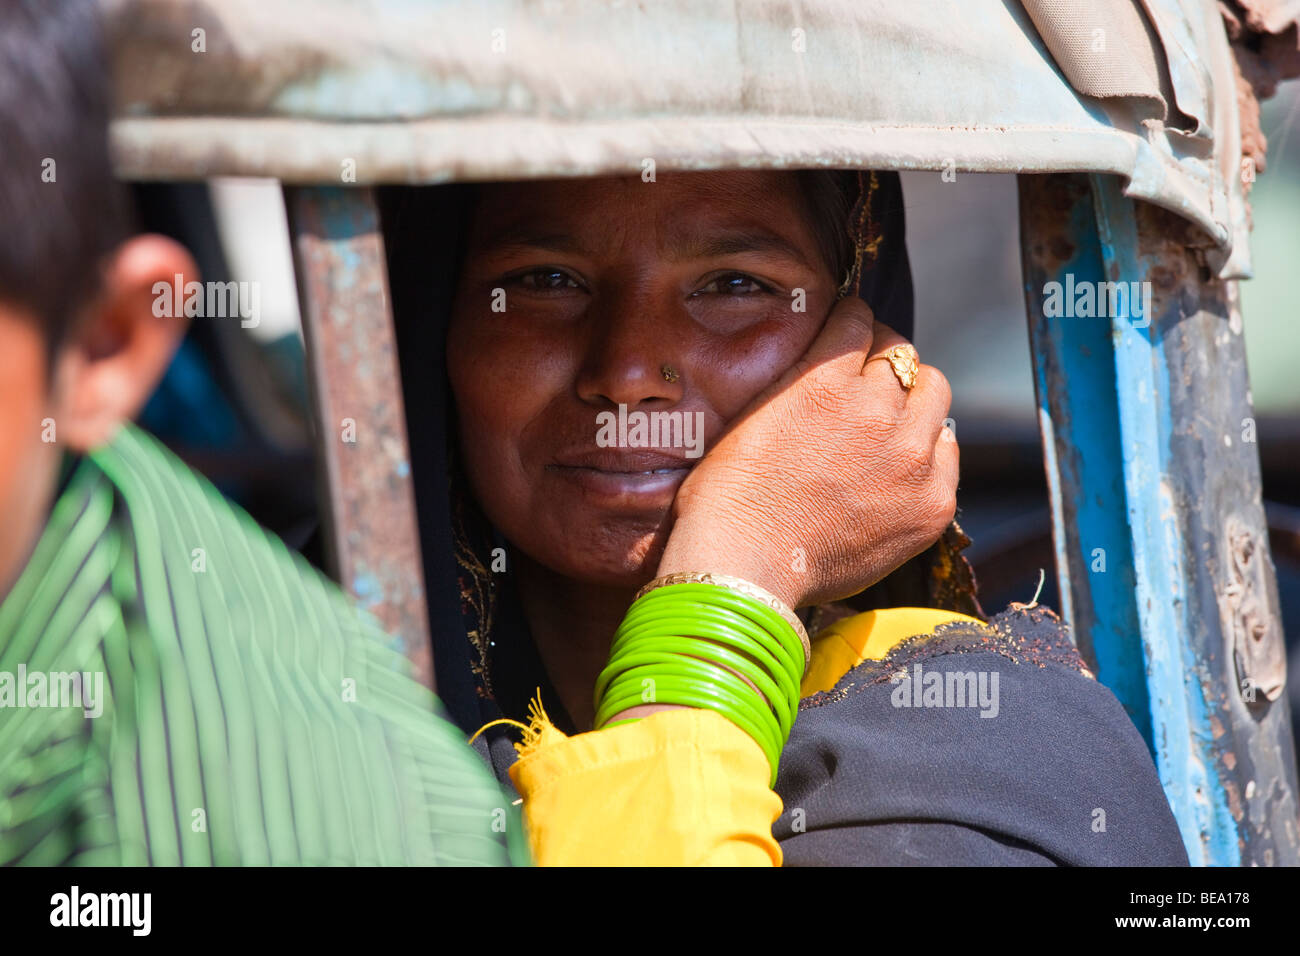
x=486 y=664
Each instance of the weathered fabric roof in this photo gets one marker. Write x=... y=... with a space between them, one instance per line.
x=411 y=91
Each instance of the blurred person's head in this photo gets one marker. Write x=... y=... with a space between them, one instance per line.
x=80 y=346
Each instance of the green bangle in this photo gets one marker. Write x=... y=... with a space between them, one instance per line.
x=686 y=620
x=739 y=586
x=722 y=644
x=692 y=594
x=774 y=655
x=652 y=650
x=703 y=695
x=668 y=652
x=709 y=646
x=626 y=691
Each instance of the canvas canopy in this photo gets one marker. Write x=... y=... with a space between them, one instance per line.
x=411 y=91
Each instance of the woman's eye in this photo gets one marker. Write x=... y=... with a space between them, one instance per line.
x=547 y=280
x=734 y=283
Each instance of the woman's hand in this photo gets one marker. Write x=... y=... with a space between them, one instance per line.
x=830 y=479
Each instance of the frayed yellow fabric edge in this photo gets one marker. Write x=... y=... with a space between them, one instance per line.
x=538 y=732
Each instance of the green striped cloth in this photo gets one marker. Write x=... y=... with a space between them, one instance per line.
x=250 y=714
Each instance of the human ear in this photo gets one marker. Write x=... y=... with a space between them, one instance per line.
x=119 y=347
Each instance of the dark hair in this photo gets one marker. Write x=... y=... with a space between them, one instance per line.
x=830 y=196
x=60 y=207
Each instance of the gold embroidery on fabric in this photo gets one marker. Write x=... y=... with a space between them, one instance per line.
x=478 y=592
x=862 y=230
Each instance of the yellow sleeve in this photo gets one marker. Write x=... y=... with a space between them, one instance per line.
x=677 y=788
x=868 y=636
x=681 y=787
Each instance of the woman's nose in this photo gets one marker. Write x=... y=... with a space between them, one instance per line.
x=633 y=353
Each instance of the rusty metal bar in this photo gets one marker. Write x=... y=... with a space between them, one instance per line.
x=1161 y=540
x=372 y=533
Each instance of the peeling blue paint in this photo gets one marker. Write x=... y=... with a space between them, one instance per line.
x=1179 y=720
x=1106 y=405
x=1075 y=372
x=368 y=590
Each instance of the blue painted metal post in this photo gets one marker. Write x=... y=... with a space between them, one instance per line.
x=1161 y=544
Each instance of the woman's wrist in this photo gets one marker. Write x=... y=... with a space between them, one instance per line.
x=719 y=547
x=643 y=710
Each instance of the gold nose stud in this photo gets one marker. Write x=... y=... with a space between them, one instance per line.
x=669 y=373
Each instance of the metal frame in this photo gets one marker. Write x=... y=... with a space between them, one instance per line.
x=371 y=528
x=1159 y=528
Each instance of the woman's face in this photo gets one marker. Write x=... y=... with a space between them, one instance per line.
x=574 y=296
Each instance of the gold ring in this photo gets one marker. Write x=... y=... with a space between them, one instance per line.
x=905 y=363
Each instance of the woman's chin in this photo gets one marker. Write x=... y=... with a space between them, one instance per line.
x=626 y=563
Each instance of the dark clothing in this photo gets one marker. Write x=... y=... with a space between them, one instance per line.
x=1059 y=776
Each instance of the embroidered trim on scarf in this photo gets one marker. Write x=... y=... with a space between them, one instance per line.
x=1032 y=635
x=475 y=582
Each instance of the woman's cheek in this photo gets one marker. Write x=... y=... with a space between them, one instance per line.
x=736 y=368
x=504 y=380
x=492 y=411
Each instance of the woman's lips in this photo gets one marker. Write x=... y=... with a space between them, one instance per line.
x=637 y=479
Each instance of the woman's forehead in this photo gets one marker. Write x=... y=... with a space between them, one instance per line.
x=689 y=213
